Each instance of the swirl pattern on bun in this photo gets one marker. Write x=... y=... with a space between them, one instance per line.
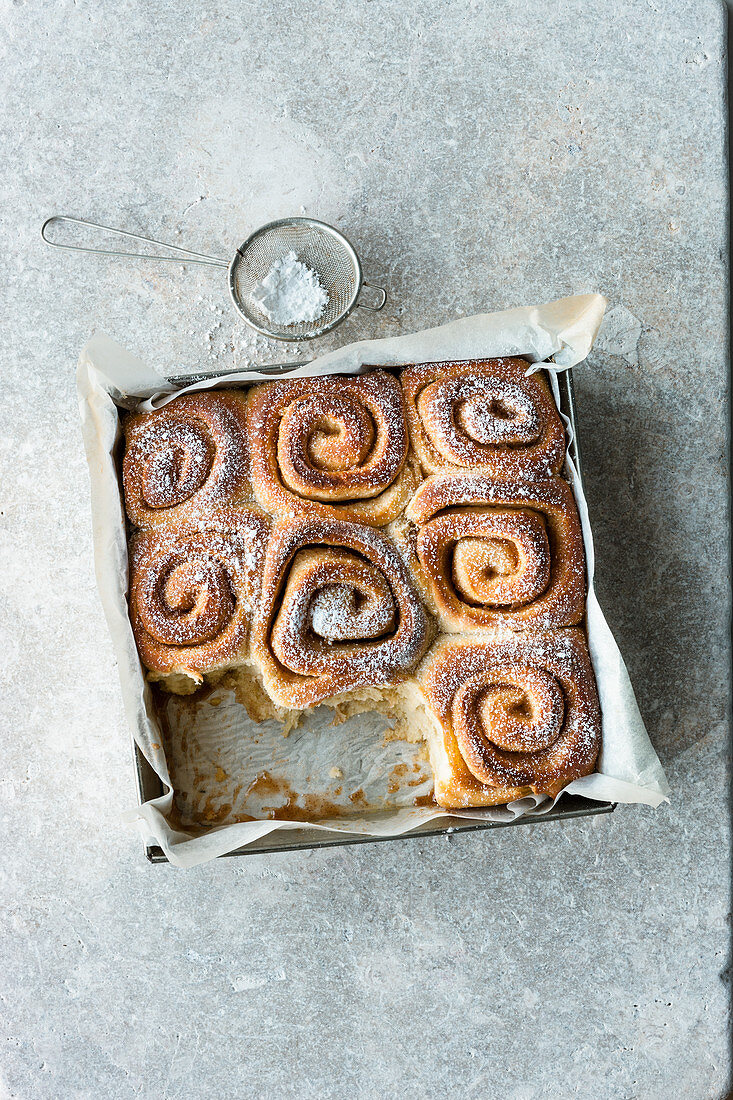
x=492 y=553
x=334 y=447
x=513 y=716
x=186 y=459
x=483 y=415
x=193 y=591
x=338 y=611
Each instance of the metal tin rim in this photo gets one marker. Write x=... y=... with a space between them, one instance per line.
x=279 y=224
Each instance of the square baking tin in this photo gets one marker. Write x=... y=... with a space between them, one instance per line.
x=149 y=785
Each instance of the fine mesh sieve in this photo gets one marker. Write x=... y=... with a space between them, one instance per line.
x=319 y=246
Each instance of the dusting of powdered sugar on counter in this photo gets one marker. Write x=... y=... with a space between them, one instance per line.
x=290 y=293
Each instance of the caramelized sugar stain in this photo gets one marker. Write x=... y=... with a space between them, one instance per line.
x=419 y=778
x=293 y=806
x=185 y=820
x=264 y=784
x=399 y=771
x=398 y=777
x=214 y=816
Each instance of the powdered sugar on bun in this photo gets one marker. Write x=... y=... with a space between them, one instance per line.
x=193 y=591
x=338 y=611
x=492 y=553
x=334 y=447
x=512 y=715
x=185 y=459
x=484 y=414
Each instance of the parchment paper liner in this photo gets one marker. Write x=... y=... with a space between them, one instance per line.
x=556 y=336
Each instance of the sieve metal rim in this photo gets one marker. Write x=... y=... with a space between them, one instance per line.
x=283 y=223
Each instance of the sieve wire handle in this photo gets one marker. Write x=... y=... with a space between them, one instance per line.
x=382 y=297
x=185 y=255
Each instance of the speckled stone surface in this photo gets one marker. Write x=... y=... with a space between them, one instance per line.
x=479 y=155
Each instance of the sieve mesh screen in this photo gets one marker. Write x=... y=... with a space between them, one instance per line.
x=324 y=251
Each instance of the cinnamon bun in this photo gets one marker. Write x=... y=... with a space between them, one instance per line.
x=499 y=552
x=512 y=717
x=334 y=447
x=338 y=611
x=186 y=459
x=193 y=590
x=483 y=415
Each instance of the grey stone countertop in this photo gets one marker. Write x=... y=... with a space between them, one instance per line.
x=480 y=155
